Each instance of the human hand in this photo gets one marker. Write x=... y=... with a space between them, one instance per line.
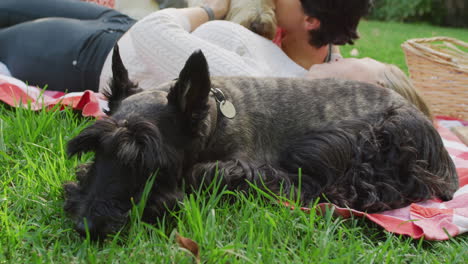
x=220 y=7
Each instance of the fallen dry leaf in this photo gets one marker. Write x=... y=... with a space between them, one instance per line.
x=190 y=245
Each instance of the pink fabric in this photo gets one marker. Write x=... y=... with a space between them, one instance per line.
x=433 y=220
x=17 y=94
x=108 y=3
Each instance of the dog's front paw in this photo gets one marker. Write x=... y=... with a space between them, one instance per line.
x=160 y=202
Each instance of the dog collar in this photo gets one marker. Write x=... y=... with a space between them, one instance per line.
x=225 y=106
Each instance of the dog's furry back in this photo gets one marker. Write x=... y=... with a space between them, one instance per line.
x=358 y=145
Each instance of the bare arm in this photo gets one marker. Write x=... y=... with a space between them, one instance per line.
x=162 y=43
x=198 y=16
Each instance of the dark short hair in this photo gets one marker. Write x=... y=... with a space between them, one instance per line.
x=338 y=20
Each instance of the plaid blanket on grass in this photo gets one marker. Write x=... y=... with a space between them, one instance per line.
x=18 y=94
x=431 y=220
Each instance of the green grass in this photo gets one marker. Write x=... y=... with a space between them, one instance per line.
x=34 y=228
x=382 y=40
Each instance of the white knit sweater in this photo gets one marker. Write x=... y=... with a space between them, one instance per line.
x=155 y=49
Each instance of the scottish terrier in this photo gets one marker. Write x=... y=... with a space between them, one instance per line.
x=357 y=145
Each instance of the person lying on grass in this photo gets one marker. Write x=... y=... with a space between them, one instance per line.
x=67 y=45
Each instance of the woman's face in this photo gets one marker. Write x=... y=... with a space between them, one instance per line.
x=289 y=14
x=364 y=70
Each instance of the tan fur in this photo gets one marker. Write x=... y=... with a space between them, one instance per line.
x=256 y=15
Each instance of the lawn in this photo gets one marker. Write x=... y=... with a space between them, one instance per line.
x=382 y=40
x=34 y=228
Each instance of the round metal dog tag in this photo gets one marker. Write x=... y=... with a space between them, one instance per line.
x=227 y=109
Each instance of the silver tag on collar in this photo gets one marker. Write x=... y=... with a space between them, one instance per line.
x=227 y=109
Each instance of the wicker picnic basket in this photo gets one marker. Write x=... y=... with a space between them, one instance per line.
x=439 y=70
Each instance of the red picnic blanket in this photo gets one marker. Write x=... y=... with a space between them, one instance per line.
x=432 y=220
x=17 y=94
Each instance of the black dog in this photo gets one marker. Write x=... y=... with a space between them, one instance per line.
x=357 y=145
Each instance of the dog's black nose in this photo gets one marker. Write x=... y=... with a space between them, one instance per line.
x=82 y=226
x=257 y=27
x=263 y=29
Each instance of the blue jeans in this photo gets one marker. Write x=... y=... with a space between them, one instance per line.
x=61 y=44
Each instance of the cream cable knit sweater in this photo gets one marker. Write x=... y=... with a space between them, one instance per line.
x=155 y=49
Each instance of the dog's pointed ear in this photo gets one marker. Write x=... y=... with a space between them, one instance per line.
x=90 y=138
x=86 y=141
x=190 y=92
x=120 y=85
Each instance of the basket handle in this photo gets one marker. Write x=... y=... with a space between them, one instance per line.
x=416 y=46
